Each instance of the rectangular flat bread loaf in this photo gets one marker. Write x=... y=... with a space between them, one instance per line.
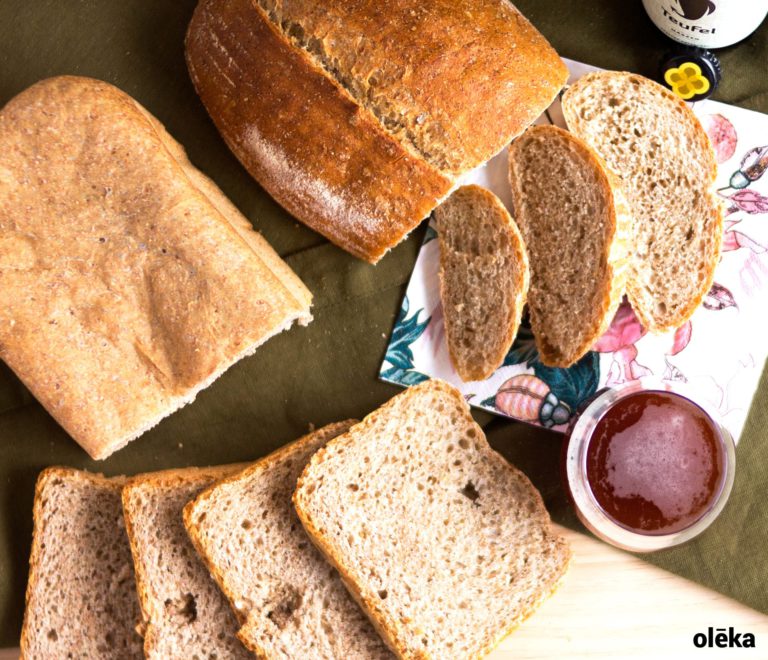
x=291 y=604
x=81 y=594
x=445 y=545
x=128 y=282
x=183 y=612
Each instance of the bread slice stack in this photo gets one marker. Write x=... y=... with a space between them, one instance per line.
x=403 y=534
x=483 y=279
x=576 y=227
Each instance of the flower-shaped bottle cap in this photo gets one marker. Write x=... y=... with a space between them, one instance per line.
x=691 y=73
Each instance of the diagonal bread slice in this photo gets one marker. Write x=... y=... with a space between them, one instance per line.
x=290 y=603
x=483 y=279
x=81 y=594
x=183 y=612
x=656 y=145
x=445 y=545
x=577 y=228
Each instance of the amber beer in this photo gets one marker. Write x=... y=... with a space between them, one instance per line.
x=707 y=23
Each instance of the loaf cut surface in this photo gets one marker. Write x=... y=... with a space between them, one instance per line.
x=445 y=544
x=289 y=601
x=184 y=615
x=655 y=144
x=128 y=282
x=81 y=594
x=483 y=279
x=358 y=116
x=577 y=229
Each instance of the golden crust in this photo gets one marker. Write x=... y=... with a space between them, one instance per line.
x=288 y=123
x=454 y=82
x=147 y=285
x=392 y=631
x=327 y=159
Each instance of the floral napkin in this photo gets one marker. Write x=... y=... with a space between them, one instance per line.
x=719 y=353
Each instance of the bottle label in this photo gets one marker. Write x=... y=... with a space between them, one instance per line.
x=707 y=23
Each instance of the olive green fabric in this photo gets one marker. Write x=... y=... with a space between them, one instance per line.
x=327 y=371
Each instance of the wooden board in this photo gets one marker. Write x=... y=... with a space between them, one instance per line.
x=613 y=605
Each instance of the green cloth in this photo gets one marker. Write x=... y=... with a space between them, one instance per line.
x=327 y=371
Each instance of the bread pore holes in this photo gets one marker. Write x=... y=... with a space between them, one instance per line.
x=287 y=601
x=470 y=492
x=182 y=609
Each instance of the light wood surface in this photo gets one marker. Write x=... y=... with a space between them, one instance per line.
x=613 y=605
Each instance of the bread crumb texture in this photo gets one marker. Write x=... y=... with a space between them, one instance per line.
x=655 y=144
x=577 y=231
x=184 y=613
x=81 y=594
x=446 y=545
x=290 y=602
x=483 y=279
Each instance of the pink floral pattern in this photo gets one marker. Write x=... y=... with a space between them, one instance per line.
x=722 y=134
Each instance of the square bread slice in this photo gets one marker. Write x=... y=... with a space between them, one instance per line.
x=81 y=594
x=289 y=601
x=445 y=545
x=128 y=282
x=183 y=612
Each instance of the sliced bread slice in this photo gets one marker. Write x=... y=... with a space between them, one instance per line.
x=483 y=279
x=81 y=594
x=652 y=140
x=184 y=614
x=444 y=544
x=577 y=228
x=290 y=603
